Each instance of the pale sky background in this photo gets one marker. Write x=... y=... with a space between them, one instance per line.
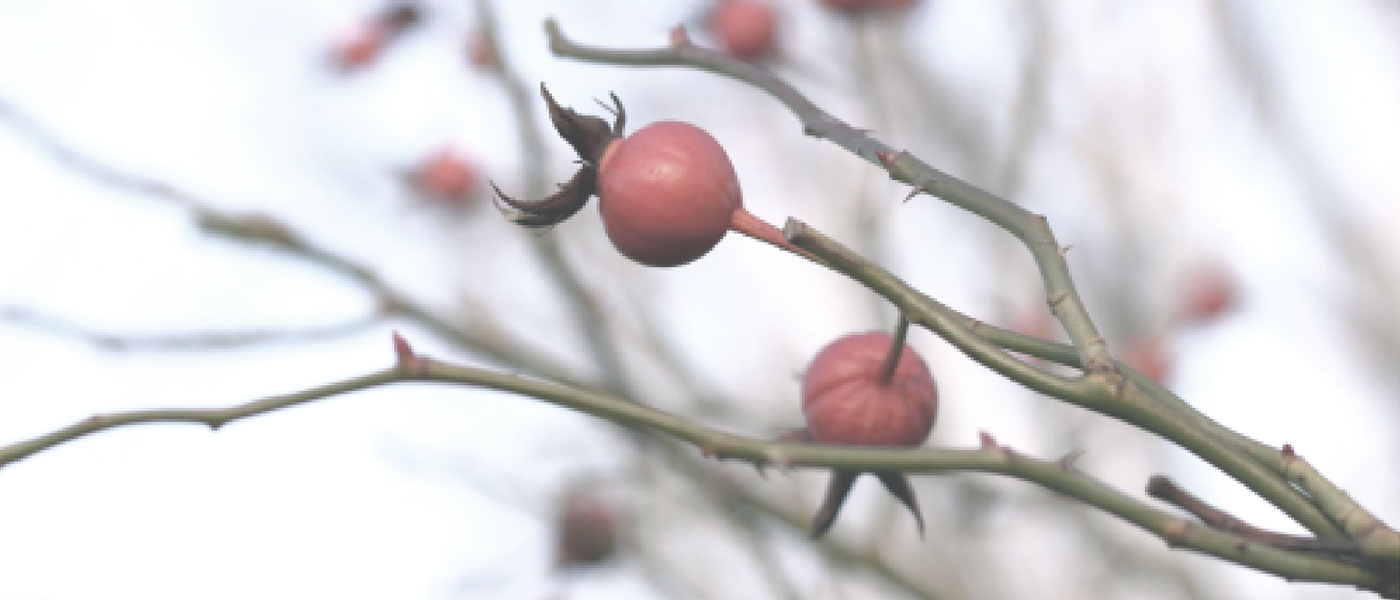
x=363 y=496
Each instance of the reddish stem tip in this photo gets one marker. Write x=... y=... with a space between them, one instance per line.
x=402 y=351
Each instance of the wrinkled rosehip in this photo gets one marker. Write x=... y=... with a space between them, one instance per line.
x=850 y=396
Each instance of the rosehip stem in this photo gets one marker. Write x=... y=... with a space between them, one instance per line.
x=746 y=223
x=901 y=331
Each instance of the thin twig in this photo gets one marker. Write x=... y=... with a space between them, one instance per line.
x=190 y=340
x=1164 y=489
x=1031 y=229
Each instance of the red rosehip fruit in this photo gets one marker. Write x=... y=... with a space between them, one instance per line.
x=1209 y=294
x=587 y=530
x=746 y=28
x=361 y=48
x=851 y=394
x=446 y=175
x=1149 y=357
x=846 y=402
x=667 y=193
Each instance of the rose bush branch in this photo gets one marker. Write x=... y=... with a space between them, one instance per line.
x=603 y=344
x=1133 y=405
x=582 y=302
x=1031 y=229
x=192 y=340
x=478 y=334
x=990 y=458
x=1106 y=382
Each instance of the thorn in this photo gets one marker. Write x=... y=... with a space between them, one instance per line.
x=1288 y=453
x=679 y=39
x=403 y=352
x=1065 y=250
x=1067 y=461
x=988 y=443
x=914 y=192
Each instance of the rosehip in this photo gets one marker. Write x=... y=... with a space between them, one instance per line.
x=374 y=35
x=587 y=530
x=745 y=28
x=851 y=395
x=846 y=402
x=1209 y=294
x=667 y=193
x=360 y=49
x=1148 y=357
x=445 y=175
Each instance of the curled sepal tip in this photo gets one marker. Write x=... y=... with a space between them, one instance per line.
x=554 y=208
x=589 y=135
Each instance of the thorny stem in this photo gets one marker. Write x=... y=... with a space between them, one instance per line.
x=1102 y=379
x=589 y=315
x=1031 y=229
x=989 y=459
x=1132 y=405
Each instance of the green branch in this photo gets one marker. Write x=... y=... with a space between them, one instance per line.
x=1055 y=475
x=1104 y=388
x=1031 y=229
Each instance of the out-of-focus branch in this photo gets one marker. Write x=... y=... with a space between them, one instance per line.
x=191 y=340
x=991 y=458
x=1031 y=229
x=479 y=334
x=587 y=312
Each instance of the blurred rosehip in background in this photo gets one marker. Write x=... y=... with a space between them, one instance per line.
x=587 y=529
x=1209 y=293
x=445 y=175
x=372 y=36
x=746 y=29
x=1150 y=357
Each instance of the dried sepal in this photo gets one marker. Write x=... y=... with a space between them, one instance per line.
x=589 y=135
x=898 y=486
x=554 y=208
